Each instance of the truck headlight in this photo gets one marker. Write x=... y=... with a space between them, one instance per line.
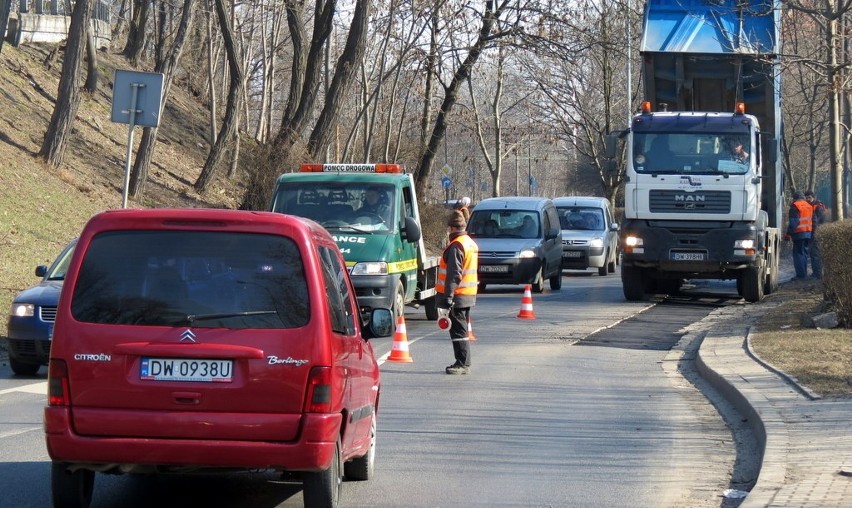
x=371 y=268
x=596 y=242
x=744 y=248
x=23 y=310
x=634 y=245
x=527 y=253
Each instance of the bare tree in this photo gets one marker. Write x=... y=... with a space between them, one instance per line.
x=68 y=98
x=235 y=97
x=137 y=35
x=167 y=61
x=489 y=18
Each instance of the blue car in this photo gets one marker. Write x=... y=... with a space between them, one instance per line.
x=30 y=326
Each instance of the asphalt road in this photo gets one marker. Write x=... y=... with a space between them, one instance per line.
x=544 y=419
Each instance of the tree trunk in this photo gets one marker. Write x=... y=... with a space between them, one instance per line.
x=5 y=9
x=347 y=66
x=137 y=34
x=92 y=74
x=68 y=96
x=235 y=97
x=145 y=152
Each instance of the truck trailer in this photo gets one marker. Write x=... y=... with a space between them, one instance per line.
x=703 y=183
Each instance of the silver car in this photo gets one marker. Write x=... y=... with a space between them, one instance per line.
x=589 y=234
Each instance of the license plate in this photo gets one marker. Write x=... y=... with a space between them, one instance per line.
x=186 y=369
x=689 y=256
x=494 y=268
x=572 y=254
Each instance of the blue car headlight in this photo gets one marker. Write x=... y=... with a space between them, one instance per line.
x=23 y=310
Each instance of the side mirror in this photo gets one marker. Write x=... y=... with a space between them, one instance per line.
x=412 y=231
x=552 y=233
x=773 y=150
x=41 y=270
x=614 y=226
x=381 y=323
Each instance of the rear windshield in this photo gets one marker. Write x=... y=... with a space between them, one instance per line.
x=504 y=224
x=199 y=279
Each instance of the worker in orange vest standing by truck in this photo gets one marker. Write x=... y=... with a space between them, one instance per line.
x=800 y=229
x=456 y=288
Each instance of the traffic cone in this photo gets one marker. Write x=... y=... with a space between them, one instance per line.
x=470 y=336
x=526 y=304
x=399 y=349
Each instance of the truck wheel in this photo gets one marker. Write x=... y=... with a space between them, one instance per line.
x=632 y=283
x=399 y=302
x=322 y=489
x=772 y=276
x=71 y=490
x=431 y=307
x=753 y=283
x=23 y=368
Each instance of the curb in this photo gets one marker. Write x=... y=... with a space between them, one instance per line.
x=717 y=359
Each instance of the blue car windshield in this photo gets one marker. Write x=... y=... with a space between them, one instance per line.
x=60 y=265
x=691 y=152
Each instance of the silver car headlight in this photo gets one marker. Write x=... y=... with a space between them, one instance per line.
x=371 y=268
x=596 y=242
x=23 y=309
x=527 y=253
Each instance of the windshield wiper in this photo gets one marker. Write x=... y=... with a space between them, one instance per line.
x=353 y=228
x=191 y=318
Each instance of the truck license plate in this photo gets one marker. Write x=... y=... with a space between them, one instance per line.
x=189 y=369
x=689 y=256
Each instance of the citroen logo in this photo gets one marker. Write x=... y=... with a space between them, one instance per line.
x=187 y=336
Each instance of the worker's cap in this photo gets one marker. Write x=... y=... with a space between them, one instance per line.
x=798 y=195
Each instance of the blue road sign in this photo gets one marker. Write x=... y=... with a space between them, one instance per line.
x=446 y=182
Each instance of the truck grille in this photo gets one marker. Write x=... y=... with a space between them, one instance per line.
x=672 y=201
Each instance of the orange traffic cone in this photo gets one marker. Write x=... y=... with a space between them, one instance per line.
x=526 y=304
x=470 y=336
x=399 y=349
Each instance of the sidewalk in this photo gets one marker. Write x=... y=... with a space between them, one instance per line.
x=806 y=441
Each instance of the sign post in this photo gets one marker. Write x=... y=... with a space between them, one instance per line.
x=137 y=99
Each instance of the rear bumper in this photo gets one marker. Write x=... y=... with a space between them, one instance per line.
x=313 y=450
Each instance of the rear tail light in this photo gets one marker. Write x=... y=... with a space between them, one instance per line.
x=57 y=383
x=318 y=399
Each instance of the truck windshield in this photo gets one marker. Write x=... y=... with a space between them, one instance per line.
x=360 y=207
x=691 y=152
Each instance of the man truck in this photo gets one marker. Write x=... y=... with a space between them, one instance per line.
x=703 y=191
x=371 y=212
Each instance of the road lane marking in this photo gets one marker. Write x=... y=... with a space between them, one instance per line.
x=10 y=433
x=37 y=388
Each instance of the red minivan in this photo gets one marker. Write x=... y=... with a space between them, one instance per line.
x=210 y=339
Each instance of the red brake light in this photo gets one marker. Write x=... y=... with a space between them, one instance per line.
x=310 y=168
x=57 y=383
x=318 y=399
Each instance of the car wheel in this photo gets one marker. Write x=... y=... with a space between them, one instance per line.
x=538 y=283
x=556 y=280
x=602 y=271
x=481 y=287
x=610 y=267
x=71 y=489
x=23 y=368
x=364 y=467
x=322 y=489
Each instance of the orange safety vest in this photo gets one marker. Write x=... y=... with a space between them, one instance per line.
x=469 y=280
x=806 y=213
